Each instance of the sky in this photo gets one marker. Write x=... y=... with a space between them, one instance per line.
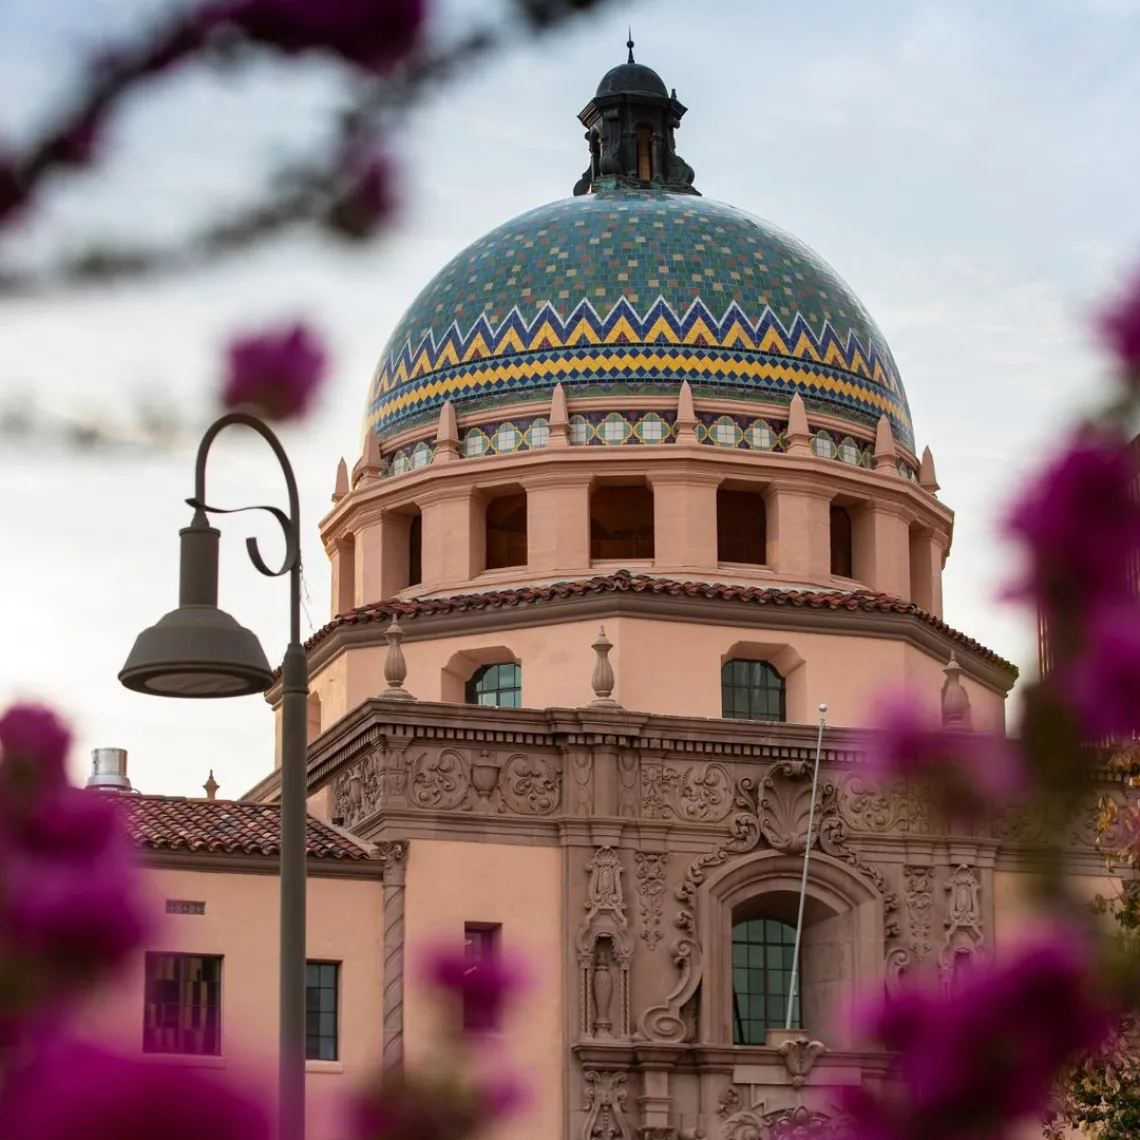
x=969 y=168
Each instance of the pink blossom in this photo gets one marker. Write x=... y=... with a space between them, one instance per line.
x=278 y=372
x=35 y=733
x=482 y=984
x=75 y=1090
x=970 y=1063
x=1119 y=327
x=1103 y=682
x=972 y=771
x=373 y=34
x=1080 y=525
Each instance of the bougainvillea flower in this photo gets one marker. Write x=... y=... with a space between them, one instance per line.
x=1119 y=328
x=1103 y=683
x=483 y=985
x=276 y=372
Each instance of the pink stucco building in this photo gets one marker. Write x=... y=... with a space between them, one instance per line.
x=638 y=492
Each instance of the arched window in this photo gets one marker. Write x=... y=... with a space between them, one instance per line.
x=841 y=542
x=644 y=152
x=498 y=686
x=751 y=690
x=762 y=950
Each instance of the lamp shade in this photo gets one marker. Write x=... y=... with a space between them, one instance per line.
x=197 y=651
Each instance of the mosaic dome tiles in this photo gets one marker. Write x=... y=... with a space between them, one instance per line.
x=627 y=292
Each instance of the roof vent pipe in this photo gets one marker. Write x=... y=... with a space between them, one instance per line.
x=109 y=770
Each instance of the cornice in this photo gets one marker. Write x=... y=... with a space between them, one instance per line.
x=230 y=864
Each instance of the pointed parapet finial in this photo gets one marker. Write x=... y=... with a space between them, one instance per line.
x=603 y=678
x=686 y=415
x=341 y=487
x=886 y=454
x=799 y=434
x=955 y=700
x=446 y=435
x=395 y=667
x=210 y=787
x=368 y=469
x=927 y=479
x=629 y=44
x=559 y=418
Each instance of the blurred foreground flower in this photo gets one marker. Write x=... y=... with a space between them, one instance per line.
x=483 y=985
x=971 y=1062
x=1119 y=326
x=277 y=373
x=72 y=1090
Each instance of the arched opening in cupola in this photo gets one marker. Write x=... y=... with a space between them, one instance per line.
x=506 y=530
x=741 y=526
x=842 y=554
x=621 y=522
x=644 y=152
x=416 y=550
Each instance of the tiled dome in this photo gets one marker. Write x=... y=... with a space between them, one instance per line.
x=628 y=292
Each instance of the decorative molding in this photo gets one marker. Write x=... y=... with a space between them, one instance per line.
x=606 y=1096
x=604 y=946
x=867 y=807
x=919 y=904
x=357 y=790
x=628 y=764
x=651 y=893
x=799 y=1123
x=440 y=780
x=800 y=1055
x=582 y=767
x=696 y=794
x=530 y=785
x=963 y=920
x=394 y=855
x=184 y=906
x=728 y=1103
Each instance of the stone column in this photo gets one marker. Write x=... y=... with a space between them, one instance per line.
x=880 y=542
x=453 y=539
x=799 y=531
x=393 y=854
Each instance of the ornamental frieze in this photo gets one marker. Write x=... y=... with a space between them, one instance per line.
x=696 y=793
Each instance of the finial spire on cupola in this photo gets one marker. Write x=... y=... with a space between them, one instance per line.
x=630 y=125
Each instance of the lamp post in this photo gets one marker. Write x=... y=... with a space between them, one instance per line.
x=199 y=651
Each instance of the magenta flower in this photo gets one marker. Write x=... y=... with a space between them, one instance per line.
x=75 y=1090
x=972 y=772
x=368 y=200
x=482 y=985
x=1119 y=327
x=1080 y=525
x=1103 y=682
x=372 y=34
x=278 y=372
x=34 y=733
x=969 y=1064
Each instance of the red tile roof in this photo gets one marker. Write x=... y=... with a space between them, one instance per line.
x=225 y=827
x=625 y=582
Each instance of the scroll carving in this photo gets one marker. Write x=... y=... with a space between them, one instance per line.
x=651 y=894
x=357 y=790
x=799 y=1123
x=606 y=1117
x=699 y=795
x=440 y=781
x=530 y=785
x=866 y=807
x=774 y=810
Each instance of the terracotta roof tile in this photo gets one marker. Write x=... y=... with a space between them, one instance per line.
x=230 y=827
x=625 y=582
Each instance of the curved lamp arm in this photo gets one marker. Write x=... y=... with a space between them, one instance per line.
x=290 y=522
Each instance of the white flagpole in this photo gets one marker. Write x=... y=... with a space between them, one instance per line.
x=804 y=879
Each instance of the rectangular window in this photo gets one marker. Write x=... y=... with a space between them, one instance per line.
x=322 y=1011
x=481 y=941
x=183 y=1004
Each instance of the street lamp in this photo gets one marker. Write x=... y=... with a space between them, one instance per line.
x=200 y=651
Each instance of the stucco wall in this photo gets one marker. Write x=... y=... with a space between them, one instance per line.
x=451 y=883
x=241 y=924
x=844 y=672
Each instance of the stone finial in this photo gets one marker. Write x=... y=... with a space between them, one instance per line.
x=603 y=678
x=341 y=488
x=371 y=463
x=927 y=480
x=955 y=700
x=886 y=454
x=559 y=418
x=799 y=434
x=686 y=415
x=210 y=787
x=395 y=667
x=446 y=435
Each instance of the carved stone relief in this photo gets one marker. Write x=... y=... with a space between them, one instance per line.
x=582 y=767
x=530 y=785
x=866 y=807
x=699 y=795
x=963 y=925
x=728 y=1103
x=485 y=770
x=799 y=1123
x=919 y=903
x=651 y=894
x=800 y=1055
x=627 y=785
x=604 y=951
x=357 y=789
x=606 y=1117
x=440 y=780
x=775 y=809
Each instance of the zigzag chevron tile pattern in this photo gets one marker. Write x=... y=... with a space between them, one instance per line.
x=629 y=292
